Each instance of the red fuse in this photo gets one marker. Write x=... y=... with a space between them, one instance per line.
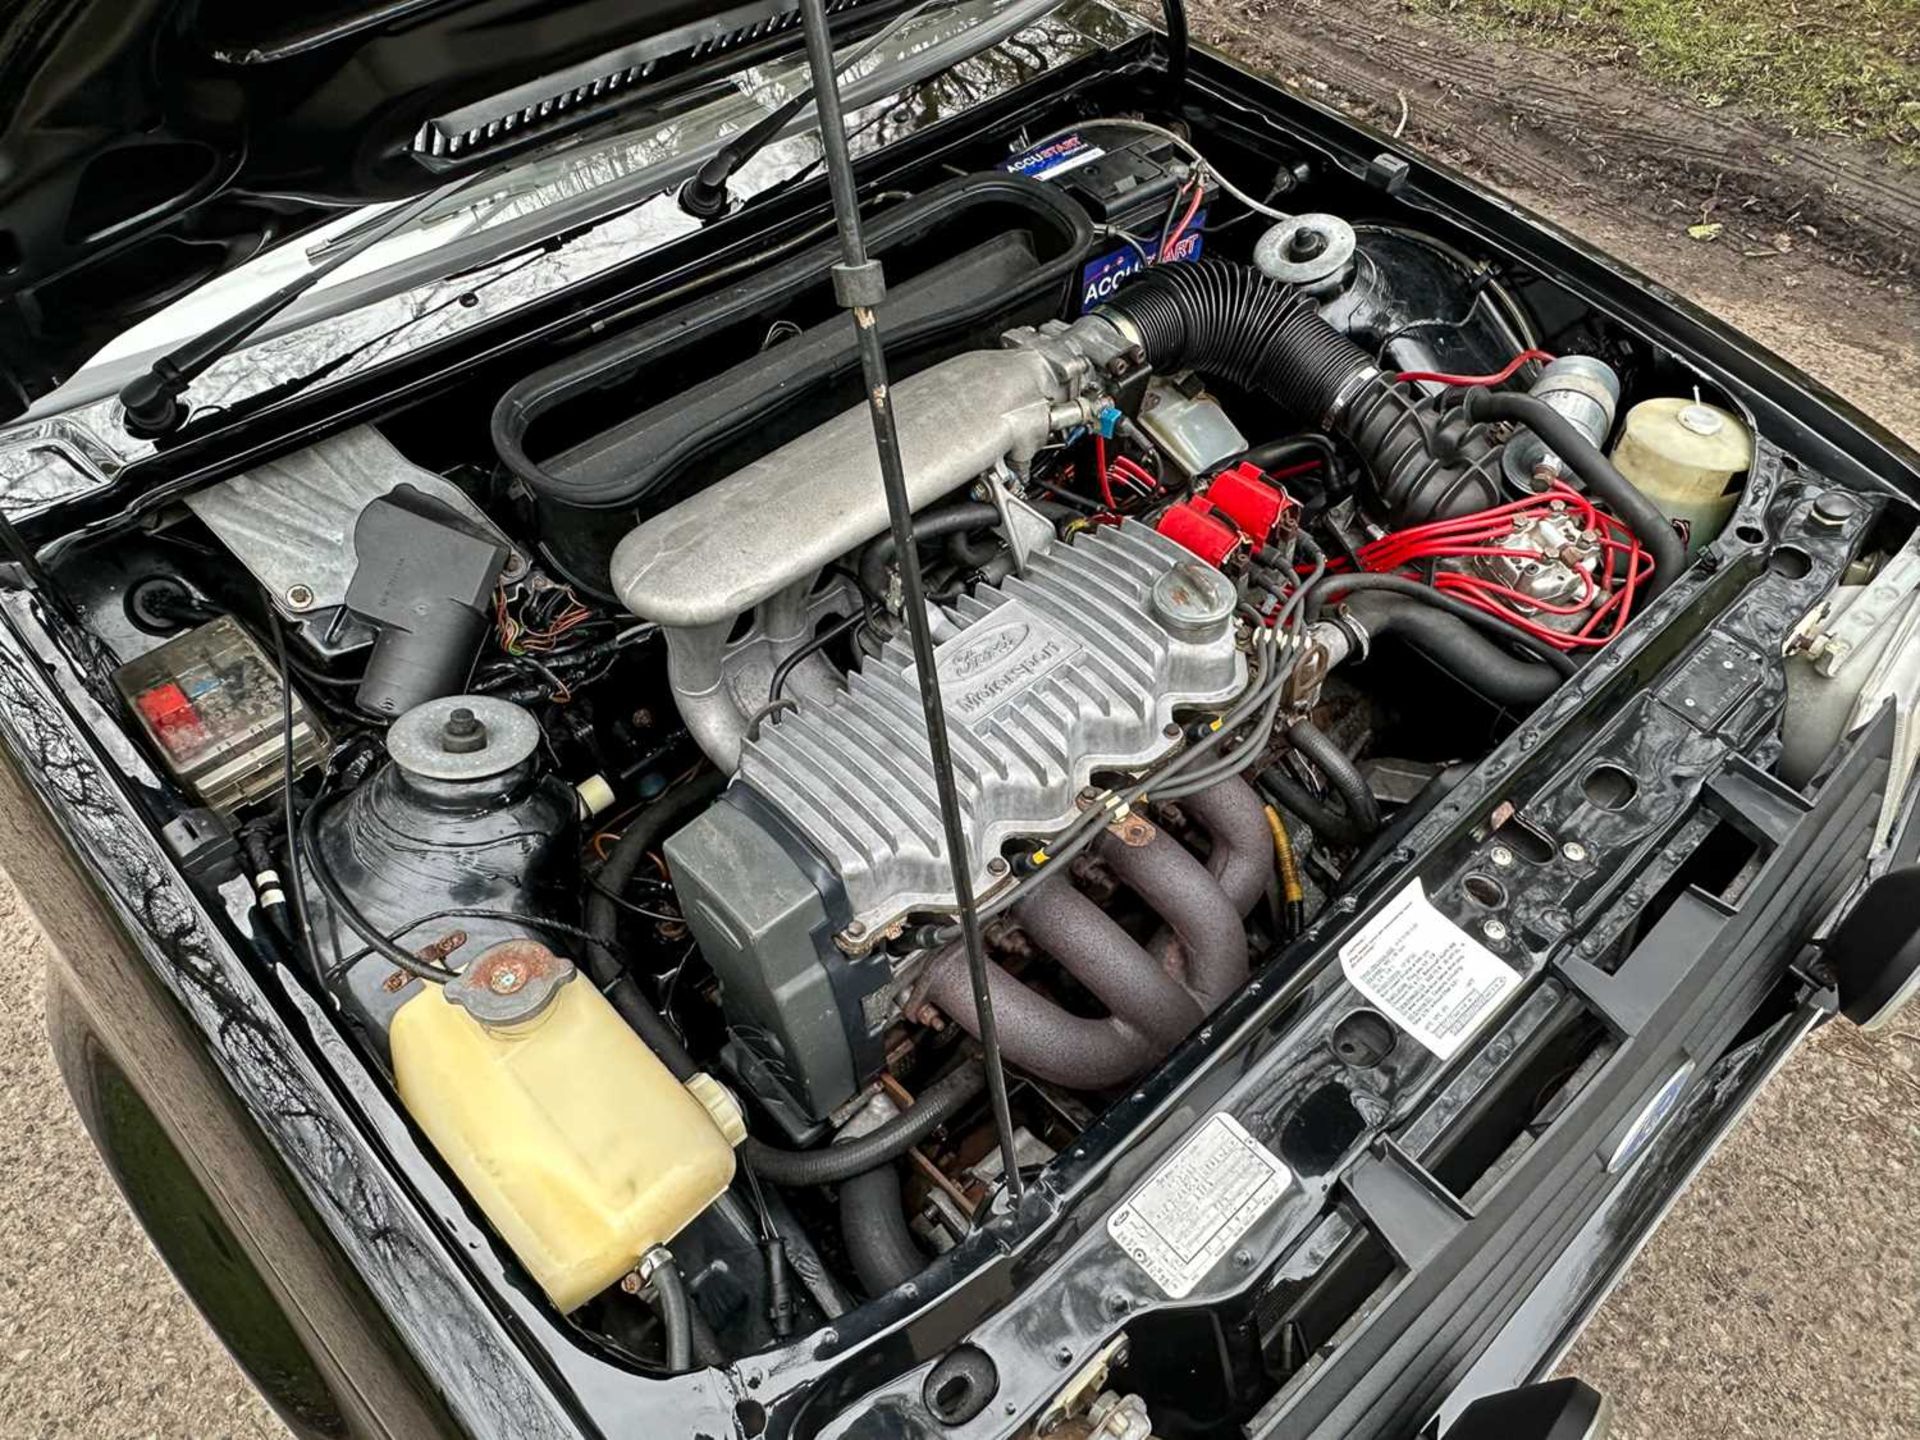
x=171 y=716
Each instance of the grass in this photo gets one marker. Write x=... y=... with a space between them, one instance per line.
x=1834 y=67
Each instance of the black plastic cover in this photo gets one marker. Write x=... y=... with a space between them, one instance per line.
x=425 y=579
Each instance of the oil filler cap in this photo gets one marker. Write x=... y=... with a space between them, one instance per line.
x=462 y=737
x=1193 y=600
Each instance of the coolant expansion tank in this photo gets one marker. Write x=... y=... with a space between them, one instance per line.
x=578 y=1144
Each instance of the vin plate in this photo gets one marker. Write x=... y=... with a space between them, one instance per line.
x=1198 y=1204
x=1426 y=974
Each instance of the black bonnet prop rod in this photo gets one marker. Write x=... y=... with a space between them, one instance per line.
x=859 y=285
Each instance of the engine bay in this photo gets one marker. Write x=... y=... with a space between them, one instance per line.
x=1253 y=514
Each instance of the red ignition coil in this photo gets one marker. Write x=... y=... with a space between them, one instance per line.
x=1253 y=503
x=1193 y=526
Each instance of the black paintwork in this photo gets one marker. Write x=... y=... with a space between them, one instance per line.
x=404 y=1307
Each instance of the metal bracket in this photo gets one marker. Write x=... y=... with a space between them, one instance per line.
x=1028 y=532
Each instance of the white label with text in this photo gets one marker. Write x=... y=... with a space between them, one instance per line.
x=1426 y=974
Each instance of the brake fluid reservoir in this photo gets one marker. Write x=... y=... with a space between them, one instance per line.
x=573 y=1138
x=1684 y=455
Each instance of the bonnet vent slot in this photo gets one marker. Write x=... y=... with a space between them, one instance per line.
x=551 y=101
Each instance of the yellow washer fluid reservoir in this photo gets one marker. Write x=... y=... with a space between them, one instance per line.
x=578 y=1144
x=1683 y=455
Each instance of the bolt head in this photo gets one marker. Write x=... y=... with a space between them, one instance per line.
x=1494 y=931
x=1574 y=851
x=856 y=928
x=299 y=597
x=997 y=865
x=1501 y=856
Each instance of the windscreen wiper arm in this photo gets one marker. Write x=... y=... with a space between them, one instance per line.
x=152 y=399
x=704 y=196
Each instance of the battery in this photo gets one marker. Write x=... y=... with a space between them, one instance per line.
x=1130 y=186
x=210 y=701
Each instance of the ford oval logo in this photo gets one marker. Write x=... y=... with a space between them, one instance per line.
x=1651 y=1117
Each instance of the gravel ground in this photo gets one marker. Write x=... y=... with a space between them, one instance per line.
x=1781 y=1299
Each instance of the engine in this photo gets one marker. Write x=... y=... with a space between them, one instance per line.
x=830 y=840
x=609 y=764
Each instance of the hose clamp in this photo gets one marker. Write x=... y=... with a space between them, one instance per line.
x=1349 y=391
x=1123 y=324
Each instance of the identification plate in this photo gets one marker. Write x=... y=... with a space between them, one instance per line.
x=1426 y=974
x=1198 y=1204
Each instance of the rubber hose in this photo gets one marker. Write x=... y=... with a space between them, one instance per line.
x=1491 y=625
x=1456 y=649
x=873 y=1225
x=969 y=553
x=1289 y=794
x=1279 y=454
x=650 y=826
x=937 y=1104
x=1598 y=473
x=1409 y=815
x=1234 y=323
x=1347 y=781
x=676 y=1315
x=933 y=525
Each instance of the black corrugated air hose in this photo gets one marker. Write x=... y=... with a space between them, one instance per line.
x=1231 y=322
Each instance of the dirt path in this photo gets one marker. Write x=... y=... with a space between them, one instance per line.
x=1818 y=247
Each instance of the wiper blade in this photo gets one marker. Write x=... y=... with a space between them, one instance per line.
x=705 y=197
x=152 y=399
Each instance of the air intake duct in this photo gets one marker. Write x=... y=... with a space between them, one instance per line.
x=1237 y=325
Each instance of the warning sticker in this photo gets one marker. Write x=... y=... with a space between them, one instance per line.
x=1427 y=975
x=1198 y=1204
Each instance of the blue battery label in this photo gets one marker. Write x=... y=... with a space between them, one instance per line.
x=1100 y=278
x=1055 y=158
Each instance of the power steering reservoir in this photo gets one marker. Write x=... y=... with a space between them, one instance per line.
x=576 y=1142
